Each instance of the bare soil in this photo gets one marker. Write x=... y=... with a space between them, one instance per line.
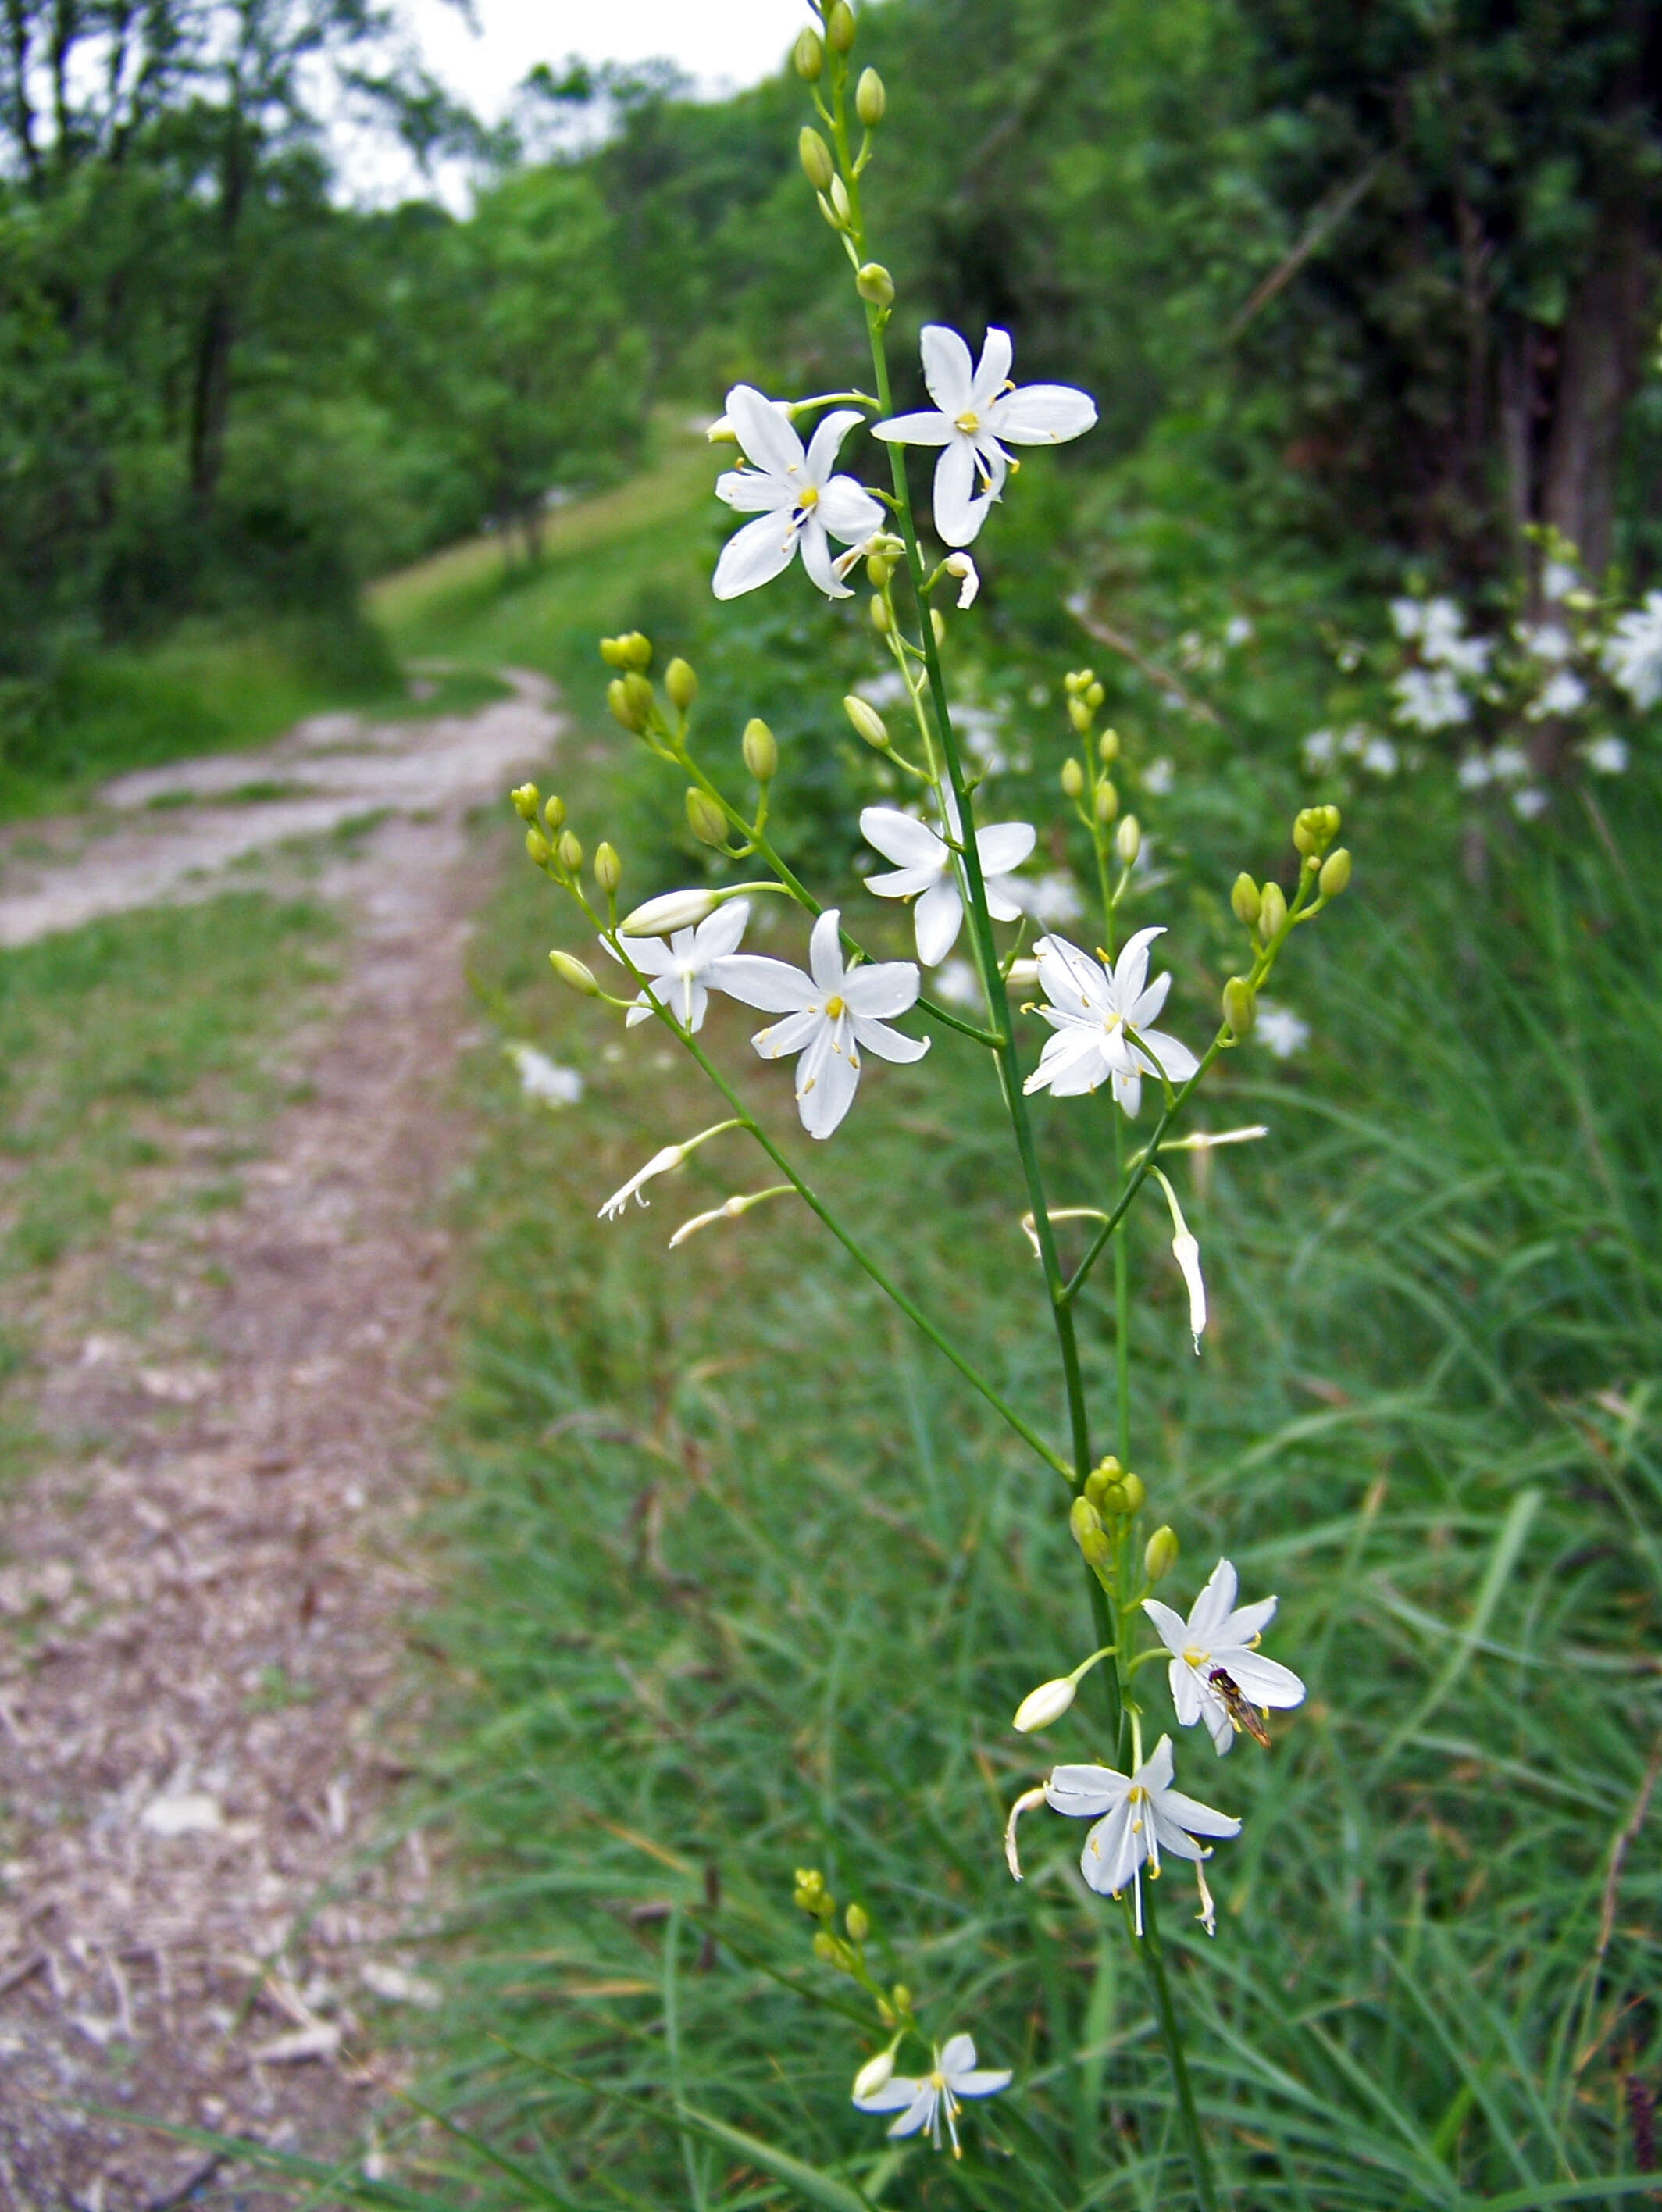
x=205 y=1589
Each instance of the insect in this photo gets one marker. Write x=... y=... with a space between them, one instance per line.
x=1237 y=1707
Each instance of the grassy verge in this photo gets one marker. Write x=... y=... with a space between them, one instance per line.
x=748 y=1582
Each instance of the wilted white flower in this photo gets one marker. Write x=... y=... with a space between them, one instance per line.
x=1429 y=699
x=543 y=1078
x=1606 y=756
x=1318 y=750
x=1285 y=1032
x=1633 y=652
x=1102 y=1016
x=830 y=1014
x=682 y=970
x=1139 y=1816
x=977 y=412
x=969 y=580
x=1563 y=693
x=925 y=2100
x=661 y=1162
x=794 y=495
x=1531 y=802
x=1215 y=1665
x=1185 y=1250
x=926 y=869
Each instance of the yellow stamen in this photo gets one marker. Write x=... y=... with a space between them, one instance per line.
x=834 y=1009
x=969 y=423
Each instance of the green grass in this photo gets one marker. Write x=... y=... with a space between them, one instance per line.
x=113 y=1036
x=747 y=1581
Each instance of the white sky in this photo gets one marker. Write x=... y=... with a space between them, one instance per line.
x=722 y=44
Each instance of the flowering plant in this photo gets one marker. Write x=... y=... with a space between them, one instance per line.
x=843 y=1007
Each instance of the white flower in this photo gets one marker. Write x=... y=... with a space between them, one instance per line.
x=1157 y=778
x=922 y=2102
x=682 y=968
x=926 y=870
x=672 y=1156
x=829 y=1014
x=1558 y=580
x=1052 y=898
x=979 y=412
x=1633 y=652
x=1606 y=756
x=956 y=984
x=1215 y=1664
x=969 y=575
x=1285 y=1032
x=1530 y=803
x=1547 y=640
x=1238 y=631
x=1563 y=693
x=1508 y=764
x=1429 y=699
x=1379 y=757
x=1137 y=1817
x=1474 y=772
x=1407 y=619
x=1091 y=1007
x=794 y=495
x=543 y=1078
x=1318 y=750
x=1444 y=643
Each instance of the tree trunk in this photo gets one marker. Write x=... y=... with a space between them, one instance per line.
x=1602 y=357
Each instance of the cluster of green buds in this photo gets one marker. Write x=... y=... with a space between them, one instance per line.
x=1088 y=780
x=846 y=1951
x=1102 y=1520
x=556 y=852
x=1264 y=911
x=821 y=60
x=663 y=725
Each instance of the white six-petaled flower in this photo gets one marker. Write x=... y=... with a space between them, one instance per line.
x=797 y=500
x=830 y=1014
x=1632 y=653
x=1100 y=1015
x=1139 y=1816
x=977 y=413
x=926 y=869
x=1215 y=1651
x=682 y=970
x=923 y=2101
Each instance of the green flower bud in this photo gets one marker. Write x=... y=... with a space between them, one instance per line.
x=630 y=698
x=1160 y=1554
x=808 y=55
x=1307 y=829
x=1128 y=841
x=1086 y=1523
x=630 y=651
x=682 y=685
x=554 y=812
x=874 y=282
x=839 y=27
x=704 y=817
x=1107 y=747
x=1105 y=805
x=1101 y=1478
x=1335 y=873
x=869 y=99
x=901 y=1997
x=1079 y=714
x=815 y=157
x=937 y=623
x=761 y=750
x=1272 y=910
x=1072 y=779
x=573 y=975
x=524 y=801
x=537 y=846
x=1094 y=694
x=828 y=1949
x=568 y=852
x=1137 y=1493
x=878 y=570
x=1077 y=679
x=867 y=722
x=841 y=206
x=1239 y=1005
x=608 y=868
x=1246 y=899
x=881 y=621
x=858 y=1925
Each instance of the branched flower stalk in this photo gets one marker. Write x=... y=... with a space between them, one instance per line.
x=672 y=952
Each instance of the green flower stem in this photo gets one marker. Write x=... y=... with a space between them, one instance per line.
x=1147 y=1949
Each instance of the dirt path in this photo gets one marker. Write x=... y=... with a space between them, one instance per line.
x=199 y=1623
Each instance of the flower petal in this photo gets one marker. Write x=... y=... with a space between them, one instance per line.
x=948 y=372
x=1071 y=1064
x=848 y=510
x=986 y=2082
x=1000 y=905
x=1083 y=1792
x=939 y=916
x=826 y=1081
x=1130 y=970
x=1194 y=1818
x=921 y=2113
x=904 y=882
x=719 y=933
x=755 y=555
x=1262 y=1681
x=822 y=447
x=894 y=2096
x=1213 y=1605
x=763 y=432
x=1166 y=1055
x=887 y=1043
x=1169 y=1625
x=753 y=491
x=1003 y=846
x=816 y=560
x=825 y=953
x=1146 y=1008
x=1114 y=1850
x=754 y=980
x=898 y=837
x=1042 y=414
x=1245 y=1622
x=1184 y=1685
x=958 y=513
x=1072 y=981
x=879 y=992
x=957 y=2057
x=794 y=1034
x=929 y=429
x=1128 y=1094
x=992 y=370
